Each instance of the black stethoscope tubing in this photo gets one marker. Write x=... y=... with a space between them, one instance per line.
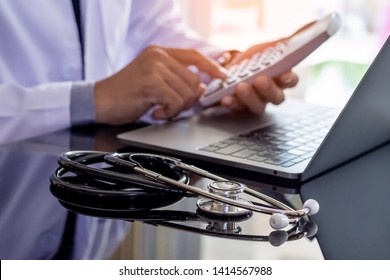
x=79 y=161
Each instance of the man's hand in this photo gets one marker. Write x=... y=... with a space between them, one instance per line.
x=157 y=77
x=254 y=97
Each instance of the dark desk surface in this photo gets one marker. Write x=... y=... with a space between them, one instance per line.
x=352 y=221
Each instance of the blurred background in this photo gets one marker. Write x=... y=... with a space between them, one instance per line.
x=328 y=76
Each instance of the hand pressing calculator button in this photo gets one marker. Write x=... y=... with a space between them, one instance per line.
x=274 y=60
x=247 y=68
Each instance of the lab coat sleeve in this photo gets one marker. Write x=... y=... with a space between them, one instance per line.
x=31 y=111
x=82 y=109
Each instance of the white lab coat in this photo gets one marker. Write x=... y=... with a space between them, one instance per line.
x=40 y=53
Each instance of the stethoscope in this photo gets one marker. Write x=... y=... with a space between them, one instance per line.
x=123 y=181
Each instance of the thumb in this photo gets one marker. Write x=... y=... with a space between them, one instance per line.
x=203 y=63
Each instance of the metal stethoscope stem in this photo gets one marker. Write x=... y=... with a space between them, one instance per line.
x=280 y=215
x=159 y=178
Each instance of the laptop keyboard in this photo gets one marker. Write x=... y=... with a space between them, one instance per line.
x=283 y=144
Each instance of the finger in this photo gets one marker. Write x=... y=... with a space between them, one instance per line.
x=248 y=96
x=186 y=75
x=233 y=103
x=160 y=114
x=251 y=51
x=166 y=111
x=193 y=57
x=180 y=86
x=268 y=90
x=171 y=103
x=201 y=88
x=287 y=80
x=156 y=56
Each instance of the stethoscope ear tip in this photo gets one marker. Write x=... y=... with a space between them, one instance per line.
x=312 y=205
x=279 y=221
x=277 y=237
x=311 y=229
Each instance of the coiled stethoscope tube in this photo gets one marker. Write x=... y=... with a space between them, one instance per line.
x=131 y=162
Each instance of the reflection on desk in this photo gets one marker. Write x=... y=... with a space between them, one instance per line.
x=355 y=202
x=32 y=221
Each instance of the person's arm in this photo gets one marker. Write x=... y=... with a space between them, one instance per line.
x=157 y=79
x=31 y=111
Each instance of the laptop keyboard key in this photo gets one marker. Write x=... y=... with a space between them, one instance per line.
x=244 y=153
x=209 y=148
x=276 y=160
x=257 y=158
x=230 y=149
x=296 y=152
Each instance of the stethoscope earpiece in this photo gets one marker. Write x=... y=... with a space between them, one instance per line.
x=312 y=206
x=277 y=237
x=310 y=228
x=279 y=221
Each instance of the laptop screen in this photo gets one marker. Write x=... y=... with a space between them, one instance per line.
x=364 y=122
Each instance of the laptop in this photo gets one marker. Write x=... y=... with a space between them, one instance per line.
x=294 y=141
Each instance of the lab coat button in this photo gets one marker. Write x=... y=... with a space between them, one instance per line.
x=50 y=239
x=70 y=72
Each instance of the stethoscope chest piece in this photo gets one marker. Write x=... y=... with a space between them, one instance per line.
x=228 y=189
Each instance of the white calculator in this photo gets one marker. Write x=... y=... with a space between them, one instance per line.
x=274 y=60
